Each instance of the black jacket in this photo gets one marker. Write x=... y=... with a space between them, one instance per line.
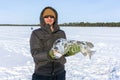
x=41 y=42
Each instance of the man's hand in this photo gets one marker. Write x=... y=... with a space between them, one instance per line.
x=73 y=49
x=55 y=55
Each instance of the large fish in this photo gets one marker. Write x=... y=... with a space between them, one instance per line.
x=63 y=45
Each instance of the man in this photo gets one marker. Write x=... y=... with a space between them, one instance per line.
x=47 y=67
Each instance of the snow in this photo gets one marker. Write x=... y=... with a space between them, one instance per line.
x=16 y=62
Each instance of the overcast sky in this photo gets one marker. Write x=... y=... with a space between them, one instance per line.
x=28 y=11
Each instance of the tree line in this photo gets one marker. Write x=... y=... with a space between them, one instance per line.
x=19 y=25
x=100 y=24
x=84 y=24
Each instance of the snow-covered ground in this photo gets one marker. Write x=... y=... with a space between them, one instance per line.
x=16 y=62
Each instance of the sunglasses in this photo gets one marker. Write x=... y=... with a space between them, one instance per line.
x=48 y=16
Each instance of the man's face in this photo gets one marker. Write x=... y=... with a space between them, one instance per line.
x=49 y=19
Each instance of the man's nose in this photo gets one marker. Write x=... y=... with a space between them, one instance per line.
x=49 y=17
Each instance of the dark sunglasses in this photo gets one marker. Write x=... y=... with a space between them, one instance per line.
x=48 y=16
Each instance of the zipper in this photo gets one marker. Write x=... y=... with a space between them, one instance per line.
x=53 y=67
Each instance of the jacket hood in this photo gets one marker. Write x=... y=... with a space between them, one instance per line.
x=46 y=26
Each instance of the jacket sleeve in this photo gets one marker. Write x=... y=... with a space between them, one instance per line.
x=36 y=48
